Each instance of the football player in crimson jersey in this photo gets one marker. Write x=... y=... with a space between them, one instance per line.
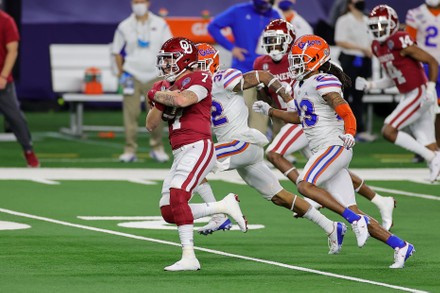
x=241 y=148
x=278 y=38
x=330 y=126
x=401 y=59
x=422 y=25
x=189 y=91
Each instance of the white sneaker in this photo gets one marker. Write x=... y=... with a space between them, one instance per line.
x=360 y=229
x=386 y=212
x=159 y=155
x=434 y=167
x=365 y=137
x=185 y=264
x=232 y=208
x=217 y=222
x=401 y=255
x=336 y=238
x=127 y=158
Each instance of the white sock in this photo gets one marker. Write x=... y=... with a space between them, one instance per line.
x=186 y=236
x=188 y=252
x=406 y=141
x=322 y=221
x=205 y=192
x=200 y=210
x=377 y=200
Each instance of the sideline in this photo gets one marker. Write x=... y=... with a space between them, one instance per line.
x=217 y=252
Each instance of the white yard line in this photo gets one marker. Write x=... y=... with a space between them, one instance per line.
x=217 y=252
x=401 y=192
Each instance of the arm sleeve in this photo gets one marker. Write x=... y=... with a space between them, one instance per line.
x=200 y=91
x=344 y=111
x=225 y=19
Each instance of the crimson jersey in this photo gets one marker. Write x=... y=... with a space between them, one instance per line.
x=406 y=72
x=279 y=69
x=193 y=123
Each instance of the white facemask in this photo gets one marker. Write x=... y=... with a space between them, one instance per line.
x=139 y=9
x=432 y=3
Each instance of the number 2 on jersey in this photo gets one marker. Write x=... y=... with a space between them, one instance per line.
x=216 y=114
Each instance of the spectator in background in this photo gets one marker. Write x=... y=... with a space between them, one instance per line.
x=247 y=22
x=137 y=40
x=300 y=25
x=9 y=105
x=422 y=23
x=351 y=35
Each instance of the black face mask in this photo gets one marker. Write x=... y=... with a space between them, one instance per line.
x=360 y=5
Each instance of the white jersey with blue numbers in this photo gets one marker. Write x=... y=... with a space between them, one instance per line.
x=428 y=29
x=321 y=125
x=229 y=113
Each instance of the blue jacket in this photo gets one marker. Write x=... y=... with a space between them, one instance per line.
x=247 y=25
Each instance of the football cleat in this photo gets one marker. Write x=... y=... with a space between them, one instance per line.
x=401 y=255
x=336 y=238
x=360 y=229
x=232 y=208
x=185 y=264
x=386 y=212
x=217 y=222
x=434 y=167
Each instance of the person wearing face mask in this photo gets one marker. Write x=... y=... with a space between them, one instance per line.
x=423 y=23
x=136 y=42
x=247 y=22
x=300 y=25
x=351 y=35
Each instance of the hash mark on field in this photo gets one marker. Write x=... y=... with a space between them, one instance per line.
x=217 y=252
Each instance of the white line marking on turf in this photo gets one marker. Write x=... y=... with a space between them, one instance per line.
x=45 y=181
x=217 y=252
x=401 y=192
x=142 y=181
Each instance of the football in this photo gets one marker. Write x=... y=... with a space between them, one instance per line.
x=169 y=113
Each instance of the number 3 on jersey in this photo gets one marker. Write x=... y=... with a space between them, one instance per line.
x=308 y=112
x=217 y=116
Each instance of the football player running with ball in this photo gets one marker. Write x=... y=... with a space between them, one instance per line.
x=330 y=126
x=401 y=59
x=184 y=99
x=241 y=148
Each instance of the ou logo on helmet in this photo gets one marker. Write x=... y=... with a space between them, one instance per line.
x=186 y=47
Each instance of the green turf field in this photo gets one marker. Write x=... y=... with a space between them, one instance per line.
x=81 y=236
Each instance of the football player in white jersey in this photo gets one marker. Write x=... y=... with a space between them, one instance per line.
x=241 y=148
x=423 y=24
x=330 y=126
x=278 y=37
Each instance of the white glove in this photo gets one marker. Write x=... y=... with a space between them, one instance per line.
x=361 y=84
x=291 y=106
x=430 y=97
x=287 y=88
x=261 y=107
x=348 y=140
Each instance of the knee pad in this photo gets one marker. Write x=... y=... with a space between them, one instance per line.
x=167 y=214
x=179 y=206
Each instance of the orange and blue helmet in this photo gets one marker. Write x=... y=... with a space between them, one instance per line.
x=208 y=57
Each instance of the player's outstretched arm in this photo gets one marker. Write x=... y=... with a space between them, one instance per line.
x=266 y=109
x=255 y=77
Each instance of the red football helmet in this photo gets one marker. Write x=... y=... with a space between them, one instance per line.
x=278 y=37
x=383 y=22
x=176 y=56
x=208 y=57
x=308 y=53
